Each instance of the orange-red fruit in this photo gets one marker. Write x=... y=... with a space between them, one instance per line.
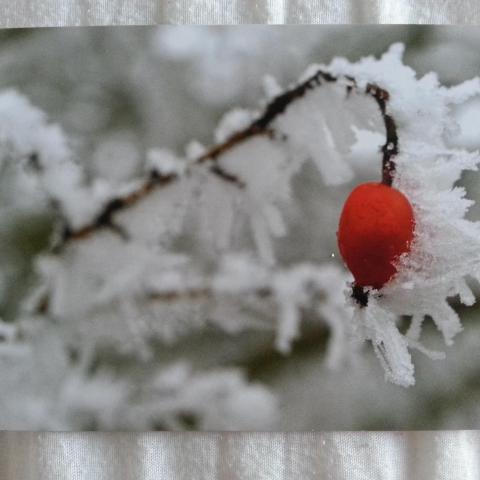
x=376 y=226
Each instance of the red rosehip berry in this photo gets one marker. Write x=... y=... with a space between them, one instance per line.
x=376 y=226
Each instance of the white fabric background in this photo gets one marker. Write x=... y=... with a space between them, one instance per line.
x=30 y=13
x=241 y=456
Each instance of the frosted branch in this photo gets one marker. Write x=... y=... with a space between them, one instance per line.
x=262 y=126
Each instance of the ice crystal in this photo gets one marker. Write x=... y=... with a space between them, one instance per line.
x=445 y=250
x=196 y=242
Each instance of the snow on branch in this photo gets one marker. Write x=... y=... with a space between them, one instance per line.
x=251 y=192
x=261 y=126
x=196 y=241
x=42 y=389
x=446 y=247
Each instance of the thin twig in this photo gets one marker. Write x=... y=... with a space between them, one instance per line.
x=260 y=126
x=202 y=293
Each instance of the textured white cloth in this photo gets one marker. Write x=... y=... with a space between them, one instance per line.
x=30 y=13
x=241 y=456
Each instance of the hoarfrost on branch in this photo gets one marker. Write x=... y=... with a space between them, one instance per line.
x=197 y=242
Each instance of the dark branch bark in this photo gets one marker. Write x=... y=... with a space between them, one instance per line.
x=360 y=295
x=390 y=149
x=104 y=219
x=202 y=293
x=261 y=126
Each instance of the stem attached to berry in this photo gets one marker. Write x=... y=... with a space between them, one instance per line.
x=389 y=151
